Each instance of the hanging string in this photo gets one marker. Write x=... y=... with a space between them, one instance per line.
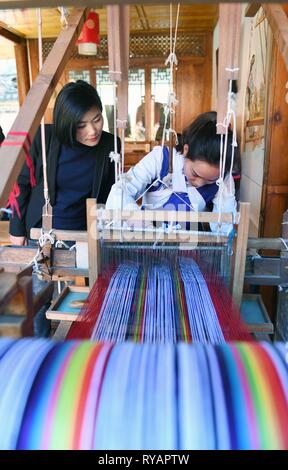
x=122 y=165
x=62 y=244
x=166 y=185
x=284 y=243
x=114 y=155
x=64 y=12
x=228 y=122
x=43 y=139
x=171 y=60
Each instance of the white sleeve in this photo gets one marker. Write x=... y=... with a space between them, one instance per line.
x=228 y=203
x=135 y=181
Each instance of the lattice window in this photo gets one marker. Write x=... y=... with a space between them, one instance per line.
x=74 y=75
x=159 y=45
x=137 y=77
x=159 y=76
x=156 y=45
x=46 y=48
x=102 y=77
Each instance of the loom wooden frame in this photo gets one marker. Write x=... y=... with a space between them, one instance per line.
x=94 y=235
x=241 y=219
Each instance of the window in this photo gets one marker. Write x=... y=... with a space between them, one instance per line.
x=9 y=104
x=136 y=105
x=160 y=87
x=105 y=89
x=74 y=75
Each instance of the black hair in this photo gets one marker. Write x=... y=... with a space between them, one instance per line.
x=204 y=142
x=73 y=101
x=2 y=136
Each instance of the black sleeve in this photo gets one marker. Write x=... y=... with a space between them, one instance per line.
x=109 y=175
x=2 y=136
x=17 y=226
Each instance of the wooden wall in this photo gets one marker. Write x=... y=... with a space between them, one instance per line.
x=275 y=188
x=275 y=182
x=194 y=87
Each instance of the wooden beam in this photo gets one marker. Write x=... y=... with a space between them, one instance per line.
x=229 y=46
x=252 y=9
x=267 y=243
x=68 y=235
x=22 y=67
x=278 y=22
x=30 y=114
x=63 y=328
x=8 y=288
x=93 y=241
x=240 y=253
x=88 y=3
x=166 y=215
x=34 y=58
x=11 y=34
x=4 y=232
x=122 y=95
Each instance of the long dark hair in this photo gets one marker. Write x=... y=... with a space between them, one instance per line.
x=73 y=101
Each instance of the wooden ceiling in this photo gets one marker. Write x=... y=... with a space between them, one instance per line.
x=145 y=18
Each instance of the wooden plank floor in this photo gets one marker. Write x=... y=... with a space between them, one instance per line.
x=4 y=232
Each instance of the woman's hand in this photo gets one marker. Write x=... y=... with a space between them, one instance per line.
x=18 y=240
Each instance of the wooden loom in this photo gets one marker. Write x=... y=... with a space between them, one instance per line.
x=54 y=267
x=91 y=250
x=63 y=264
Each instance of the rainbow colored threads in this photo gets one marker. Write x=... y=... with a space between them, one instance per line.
x=82 y=395
x=163 y=303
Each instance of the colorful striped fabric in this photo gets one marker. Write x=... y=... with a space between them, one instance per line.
x=83 y=395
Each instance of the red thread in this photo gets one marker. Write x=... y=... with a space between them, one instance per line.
x=30 y=165
x=25 y=134
x=12 y=200
x=29 y=161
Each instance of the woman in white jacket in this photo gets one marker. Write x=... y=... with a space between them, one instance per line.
x=194 y=183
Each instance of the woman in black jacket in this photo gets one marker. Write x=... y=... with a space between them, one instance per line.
x=78 y=164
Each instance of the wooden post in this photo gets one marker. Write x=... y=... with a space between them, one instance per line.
x=285 y=225
x=278 y=22
x=149 y=107
x=34 y=60
x=252 y=9
x=23 y=82
x=240 y=253
x=32 y=110
x=229 y=44
x=284 y=251
x=25 y=286
x=93 y=241
x=47 y=215
x=122 y=98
